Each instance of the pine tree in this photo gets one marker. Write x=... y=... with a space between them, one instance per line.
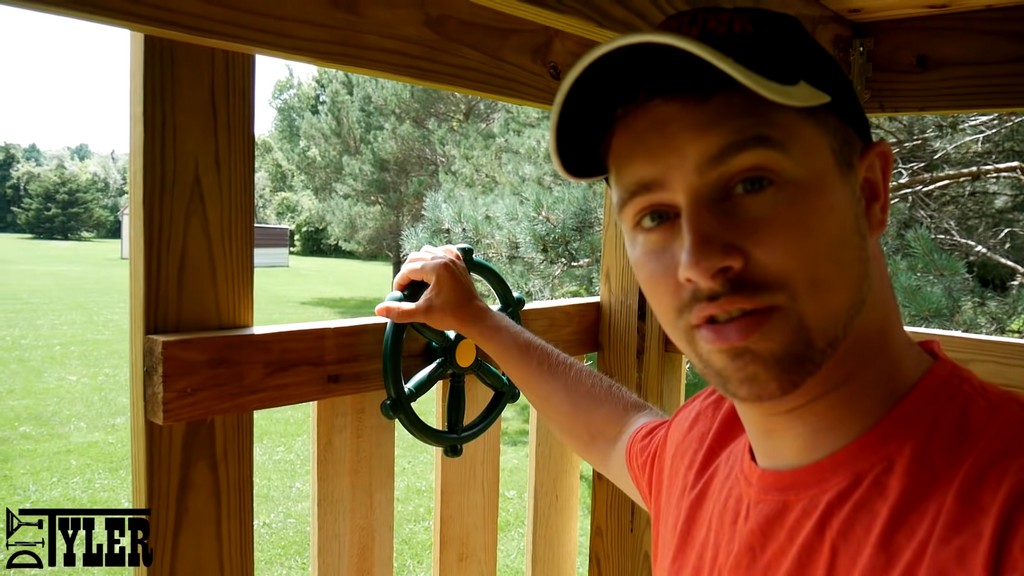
x=62 y=203
x=499 y=192
x=936 y=289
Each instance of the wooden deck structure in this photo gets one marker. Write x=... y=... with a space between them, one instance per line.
x=199 y=369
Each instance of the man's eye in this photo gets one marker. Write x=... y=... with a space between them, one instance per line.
x=752 y=185
x=655 y=218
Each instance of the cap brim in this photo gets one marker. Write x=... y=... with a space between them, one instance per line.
x=607 y=77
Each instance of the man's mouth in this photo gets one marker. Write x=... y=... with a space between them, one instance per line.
x=724 y=325
x=727 y=316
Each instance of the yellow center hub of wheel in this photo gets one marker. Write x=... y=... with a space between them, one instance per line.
x=465 y=353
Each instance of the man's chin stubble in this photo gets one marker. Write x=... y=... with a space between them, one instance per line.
x=750 y=377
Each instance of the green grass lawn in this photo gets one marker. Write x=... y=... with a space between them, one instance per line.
x=64 y=432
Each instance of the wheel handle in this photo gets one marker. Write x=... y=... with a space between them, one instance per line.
x=454 y=357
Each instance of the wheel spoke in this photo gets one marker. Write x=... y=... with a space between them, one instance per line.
x=439 y=337
x=491 y=377
x=456 y=409
x=424 y=380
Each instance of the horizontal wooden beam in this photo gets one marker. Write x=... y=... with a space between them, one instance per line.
x=997 y=360
x=518 y=50
x=601 y=21
x=971 y=61
x=943 y=62
x=452 y=44
x=868 y=10
x=604 y=20
x=199 y=375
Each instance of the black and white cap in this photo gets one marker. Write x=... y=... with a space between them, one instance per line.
x=769 y=53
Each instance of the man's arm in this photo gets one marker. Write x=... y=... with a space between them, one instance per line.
x=591 y=413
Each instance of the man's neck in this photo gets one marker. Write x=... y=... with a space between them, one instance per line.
x=876 y=366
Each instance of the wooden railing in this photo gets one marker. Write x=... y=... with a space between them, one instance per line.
x=191 y=376
x=337 y=365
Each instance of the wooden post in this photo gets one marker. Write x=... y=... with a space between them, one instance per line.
x=191 y=269
x=632 y=351
x=466 y=495
x=353 y=487
x=553 y=493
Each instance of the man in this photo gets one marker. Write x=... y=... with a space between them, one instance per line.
x=752 y=199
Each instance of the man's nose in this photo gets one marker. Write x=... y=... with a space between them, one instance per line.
x=709 y=254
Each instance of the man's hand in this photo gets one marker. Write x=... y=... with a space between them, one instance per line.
x=450 y=303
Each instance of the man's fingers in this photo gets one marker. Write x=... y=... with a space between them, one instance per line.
x=450 y=290
x=422 y=265
x=401 y=312
x=428 y=252
x=451 y=252
x=411 y=271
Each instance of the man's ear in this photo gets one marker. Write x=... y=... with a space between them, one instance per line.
x=874 y=175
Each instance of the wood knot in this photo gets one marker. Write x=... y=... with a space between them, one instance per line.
x=554 y=71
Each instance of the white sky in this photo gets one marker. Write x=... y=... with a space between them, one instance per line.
x=65 y=81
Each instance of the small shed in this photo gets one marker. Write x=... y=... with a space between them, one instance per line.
x=122 y=215
x=270 y=246
x=270 y=243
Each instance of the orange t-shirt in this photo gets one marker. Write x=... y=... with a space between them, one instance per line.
x=935 y=487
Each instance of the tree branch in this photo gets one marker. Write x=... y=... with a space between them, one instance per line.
x=932 y=181
x=986 y=253
x=978 y=122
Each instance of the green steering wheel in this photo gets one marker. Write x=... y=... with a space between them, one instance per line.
x=454 y=357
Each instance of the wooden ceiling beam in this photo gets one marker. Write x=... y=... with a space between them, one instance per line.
x=938 y=63
x=971 y=61
x=871 y=10
x=517 y=50
x=601 y=21
x=451 y=44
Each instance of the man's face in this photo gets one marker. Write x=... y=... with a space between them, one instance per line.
x=746 y=237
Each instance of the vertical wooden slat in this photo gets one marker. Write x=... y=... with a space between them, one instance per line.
x=552 y=521
x=192 y=208
x=353 y=487
x=668 y=369
x=466 y=496
x=632 y=351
